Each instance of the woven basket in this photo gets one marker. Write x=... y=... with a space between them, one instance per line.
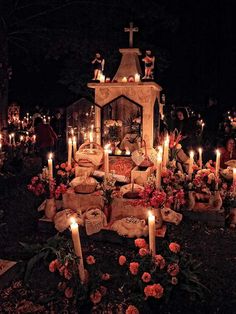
x=85 y=187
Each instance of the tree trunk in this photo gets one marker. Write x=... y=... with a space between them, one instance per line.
x=3 y=79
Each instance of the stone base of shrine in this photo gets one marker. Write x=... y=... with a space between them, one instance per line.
x=9 y=270
x=209 y=218
x=82 y=202
x=122 y=208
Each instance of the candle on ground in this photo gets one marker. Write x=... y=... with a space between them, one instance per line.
x=217 y=162
x=124 y=79
x=106 y=160
x=74 y=145
x=50 y=166
x=152 y=233
x=77 y=247
x=234 y=180
x=190 y=166
x=69 y=151
x=200 y=157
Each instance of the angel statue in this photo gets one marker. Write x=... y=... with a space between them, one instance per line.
x=149 y=61
x=98 y=66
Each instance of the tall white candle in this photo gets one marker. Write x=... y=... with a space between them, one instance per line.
x=217 y=162
x=91 y=139
x=77 y=247
x=200 y=157
x=190 y=166
x=166 y=151
x=74 y=145
x=234 y=180
x=152 y=234
x=10 y=139
x=158 y=171
x=69 y=151
x=0 y=147
x=106 y=160
x=50 y=166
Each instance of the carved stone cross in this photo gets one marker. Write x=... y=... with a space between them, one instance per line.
x=131 y=29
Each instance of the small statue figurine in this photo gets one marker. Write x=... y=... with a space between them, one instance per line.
x=98 y=66
x=149 y=61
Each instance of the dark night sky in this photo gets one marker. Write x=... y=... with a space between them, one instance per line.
x=199 y=47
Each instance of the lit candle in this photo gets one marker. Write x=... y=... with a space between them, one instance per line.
x=34 y=138
x=166 y=151
x=158 y=171
x=124 y=79
x=190 y=166
x=69 y=151
x=200 y=157
x=127 y=152
x=106 y=160
x=217 y=162
x=91 y=139
x=21 y=138
x=0 y=147
x=102 y=78
x=74 y=145
x=152 y=234
x=234 y=180
x=137 y=77
x=10 y=136
x=77 y=247
x=50 y=167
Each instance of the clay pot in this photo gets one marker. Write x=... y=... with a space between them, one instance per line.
x=50 y=208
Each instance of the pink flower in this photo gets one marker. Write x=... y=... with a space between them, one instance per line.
x=106 y=276
x=68 y=168
x=140 y=243
x=122 y=260
x=67 y=274
x=63 y=165
x=132 y=310
x=69 y=292
x=146 y=277
x=133 y=267
x=53 y=266
x=96 y=297
x=173 y=269
x=143 y=252
x=90 y=260
x=155 y=291
x=160 y=261
x=174 y=247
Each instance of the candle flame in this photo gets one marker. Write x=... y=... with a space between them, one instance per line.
x=107 y=146
x=50 y=156
x=191 y=154
x=200 y=150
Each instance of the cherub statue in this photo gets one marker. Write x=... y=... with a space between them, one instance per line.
x=98 y=66
x=149 y=61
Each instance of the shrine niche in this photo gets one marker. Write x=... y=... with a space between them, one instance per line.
x=121 y=125
x=80 y=118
